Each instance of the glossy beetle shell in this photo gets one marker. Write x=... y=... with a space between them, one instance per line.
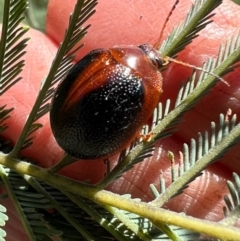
x=105 y=99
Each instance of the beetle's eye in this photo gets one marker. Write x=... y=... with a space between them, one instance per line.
x=152 y=54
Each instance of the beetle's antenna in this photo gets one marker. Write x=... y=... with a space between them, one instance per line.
x=167 y=59
x=158 y=43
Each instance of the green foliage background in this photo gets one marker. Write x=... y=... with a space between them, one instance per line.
x=36 y=14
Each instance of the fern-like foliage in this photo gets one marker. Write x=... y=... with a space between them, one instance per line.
x=12 y=43
x=120 y=224
x=232 y=208
x=4 y=115
x=72 y=217
x=61 y=64
x=198 y=18
x=196 y=157
x=28 y=205
x=195 y=89
x=3 y=219
x=48 y=207
x=75 y=221
x=165 y=123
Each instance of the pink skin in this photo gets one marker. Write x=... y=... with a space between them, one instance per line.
x=136 y=23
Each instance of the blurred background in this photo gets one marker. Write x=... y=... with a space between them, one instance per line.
x=35 y=16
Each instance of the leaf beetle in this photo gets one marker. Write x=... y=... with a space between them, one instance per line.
x=105 y=99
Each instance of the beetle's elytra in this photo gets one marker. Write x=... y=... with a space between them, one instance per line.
x=105 y=99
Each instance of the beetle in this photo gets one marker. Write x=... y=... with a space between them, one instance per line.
x=105 y=99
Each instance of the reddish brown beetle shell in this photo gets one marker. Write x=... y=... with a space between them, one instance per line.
x=104 y=101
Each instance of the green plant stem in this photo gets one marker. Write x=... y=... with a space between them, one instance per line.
x=120 y=167
x=167 y=230
x=190 y=27
x=96 y=216
x=128 y=222
x=66 y=160
x=4 y=33
x=88 y=236
x=232 y=218
x=142 y=209
x=198 y=167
